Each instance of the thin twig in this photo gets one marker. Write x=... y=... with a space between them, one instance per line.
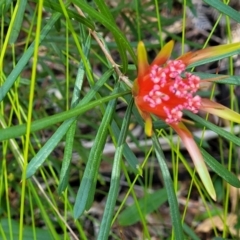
x=74 y=236
x=106 y=53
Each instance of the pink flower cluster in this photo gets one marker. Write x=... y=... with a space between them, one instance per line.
x=173 y=92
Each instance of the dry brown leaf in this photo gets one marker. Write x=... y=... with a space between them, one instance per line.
x=234 y=197
x=217 y=221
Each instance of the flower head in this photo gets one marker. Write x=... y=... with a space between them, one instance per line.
x=169 y=93
x=164 y=88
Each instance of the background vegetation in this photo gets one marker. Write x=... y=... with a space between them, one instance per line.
x=72 y=139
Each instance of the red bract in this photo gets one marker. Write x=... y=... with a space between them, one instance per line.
x=168 y=93
x=164 y=88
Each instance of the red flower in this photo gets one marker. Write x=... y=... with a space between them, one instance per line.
x=164 y=88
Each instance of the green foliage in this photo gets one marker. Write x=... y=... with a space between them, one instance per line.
x=67 y=116
x=11 y=231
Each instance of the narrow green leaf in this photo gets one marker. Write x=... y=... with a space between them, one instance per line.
x=67 y=157
x=25 y=58
x=214 y=128
x=216 y=58
x=105 y=11
x=190 y=232
x=115 y=178
x=88 y=183
x=56 y=7
x=120 y=39
x=122 y=52
x=221 y=238
x=37 y=161
x=19 y=130
x=64 y=174
x=58 y=25
x=230 y=80
x=17 y=25
x=149 y=203
x=172 y=200
x=108 y=16
x=131 y=24
x=41 y=234
x=127 y=152
x=44 y=152
x=220 y=170
x=4 y=6
x=223 y=8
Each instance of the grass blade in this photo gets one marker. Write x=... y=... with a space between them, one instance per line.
x=105 y=10
x=56 y=7
x=220 y=170
x=229 y=136
x=25 y=58
x=223 y=8
x=174 y=211
x=41 y=234
x=17 y=25
x=44 y=152
x=235 y=50
x=230 y=80
x=64 y=174
x=120 y=39
x=189 y=231
x=127 y=152
x=115 y=178
x=19 y=130
x=88 y=184
x=148 y=204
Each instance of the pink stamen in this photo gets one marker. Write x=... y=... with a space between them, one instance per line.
x=172 y=91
